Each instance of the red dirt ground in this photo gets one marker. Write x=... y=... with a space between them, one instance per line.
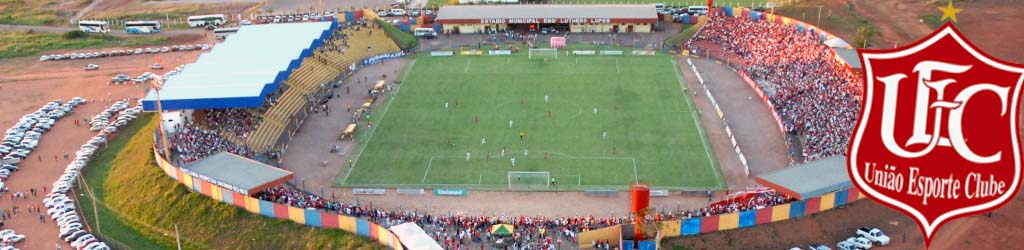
x=27 y=84
x=991 y=25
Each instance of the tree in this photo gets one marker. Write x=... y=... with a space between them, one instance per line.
x=864 y=34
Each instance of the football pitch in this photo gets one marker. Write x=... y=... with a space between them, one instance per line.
x=574 y=123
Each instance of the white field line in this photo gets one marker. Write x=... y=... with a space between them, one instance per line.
x=617 y=70
x=430 y=162
x=374 y=129
x=467 y=65
x=579 y=178
x=700 y=129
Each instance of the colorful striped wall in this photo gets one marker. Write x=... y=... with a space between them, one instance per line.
x=792 y=210
x=313 y=218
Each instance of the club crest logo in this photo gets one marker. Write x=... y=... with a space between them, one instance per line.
x=938 y=134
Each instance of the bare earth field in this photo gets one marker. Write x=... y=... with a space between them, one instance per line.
x=26 y=85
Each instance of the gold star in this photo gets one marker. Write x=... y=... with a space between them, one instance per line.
x=949 y=11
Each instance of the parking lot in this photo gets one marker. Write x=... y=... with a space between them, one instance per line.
x=27 y=85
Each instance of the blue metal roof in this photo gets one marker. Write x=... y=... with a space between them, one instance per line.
x=243 y=70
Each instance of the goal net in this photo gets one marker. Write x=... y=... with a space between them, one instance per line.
x=526 y=181
x=543 y=53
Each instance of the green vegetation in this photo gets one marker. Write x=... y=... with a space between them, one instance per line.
x=405 y=40
x=25 y=43
x=651 y=132
x=687 y=31
x=140 y=205
x=30 y=12
x=933 y=20
x=864 y=34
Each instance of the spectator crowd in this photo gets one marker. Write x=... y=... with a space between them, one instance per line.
x=239 y=122
x=531 y=232
x=816 y=96
x=189 y=144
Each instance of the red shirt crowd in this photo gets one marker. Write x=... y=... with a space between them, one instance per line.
x=817 y=97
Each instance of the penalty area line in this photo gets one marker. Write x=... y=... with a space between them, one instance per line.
x=467 y=65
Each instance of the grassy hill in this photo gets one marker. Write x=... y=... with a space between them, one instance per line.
x=25 y=43
x=139 y=206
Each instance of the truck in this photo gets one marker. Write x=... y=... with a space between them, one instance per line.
x=875 y=235
x=860 y=242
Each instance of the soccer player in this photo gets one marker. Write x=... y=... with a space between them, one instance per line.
x=483 y=140
x=445 y=106
x=509 y=123
x=604 y=135
x=521 y=135
x=513 y=161
x=467 y=155
x=502 y=152
x=526 y=152
x=545 y=98
x=595 y=110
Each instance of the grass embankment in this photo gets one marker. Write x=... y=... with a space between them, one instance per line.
x=405 y=40
x=685 y=32
x=30 y=12
x=26 y=43
x=139 y=206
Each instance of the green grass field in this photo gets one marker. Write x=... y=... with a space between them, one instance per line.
x=652 y=136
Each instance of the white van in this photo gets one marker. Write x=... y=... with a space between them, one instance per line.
x=425 y=33
x=397 y=12
x=698 y=10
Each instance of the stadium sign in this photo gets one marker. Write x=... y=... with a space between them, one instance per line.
x=499 y=52
x=370 y=191
x=938 y=134
x=659 y=192
x=543 y=20
x=214 y=181
x=450 y=192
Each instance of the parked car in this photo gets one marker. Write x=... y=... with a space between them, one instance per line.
x=246 y=22
x=383 y=13
x=860 y=242
x=92 y=67
x=818 y=247
x=397 y=12
x=846 y=245
x=875 y=235
x=156 y=66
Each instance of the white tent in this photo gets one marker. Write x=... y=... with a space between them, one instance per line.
x=414 y=238
x=836 y=42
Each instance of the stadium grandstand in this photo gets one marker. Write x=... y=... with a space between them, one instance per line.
x=251 y=92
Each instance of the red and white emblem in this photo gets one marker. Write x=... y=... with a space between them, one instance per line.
x=938 y=135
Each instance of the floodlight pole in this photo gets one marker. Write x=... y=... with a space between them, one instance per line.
x=818 y=23
x=158 y=83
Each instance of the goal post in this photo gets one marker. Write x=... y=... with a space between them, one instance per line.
x=527 y=181
x=543 y=53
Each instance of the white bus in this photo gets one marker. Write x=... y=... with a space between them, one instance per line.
x=142 y=27
x=222 y=33
x=204 y=20
x=94 y=26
